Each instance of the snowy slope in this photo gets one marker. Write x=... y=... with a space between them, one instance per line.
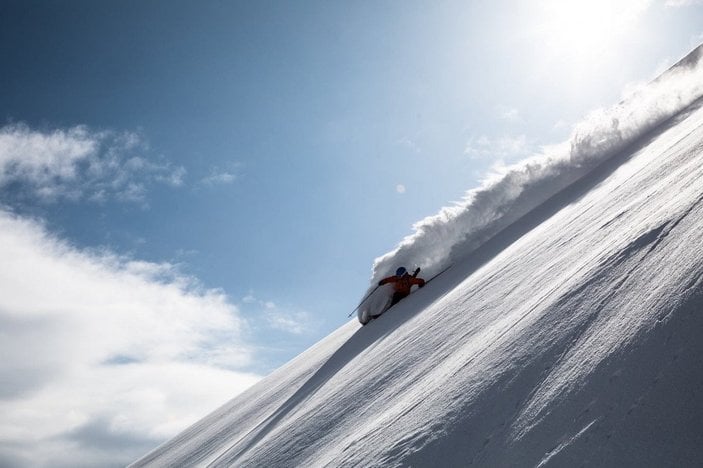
x=570 y=337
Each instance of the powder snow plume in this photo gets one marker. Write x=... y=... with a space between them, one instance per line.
x=443 y=239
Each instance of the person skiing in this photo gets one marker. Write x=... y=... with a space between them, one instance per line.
x=402 y=283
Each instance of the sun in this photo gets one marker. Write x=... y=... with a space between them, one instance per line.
x=587 y=28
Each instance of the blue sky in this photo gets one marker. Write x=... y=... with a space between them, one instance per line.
x=259 y=156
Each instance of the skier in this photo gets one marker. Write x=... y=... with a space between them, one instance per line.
x=402 y=283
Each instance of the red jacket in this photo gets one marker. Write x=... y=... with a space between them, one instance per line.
x=402 y=284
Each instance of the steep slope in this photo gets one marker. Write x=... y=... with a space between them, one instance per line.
x=569 y=338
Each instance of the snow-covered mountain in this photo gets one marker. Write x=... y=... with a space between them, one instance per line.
x=565 y=333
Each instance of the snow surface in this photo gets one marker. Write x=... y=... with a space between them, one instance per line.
x=569 y=338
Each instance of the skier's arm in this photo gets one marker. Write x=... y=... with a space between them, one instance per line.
x=419 y=281
x=390 y=279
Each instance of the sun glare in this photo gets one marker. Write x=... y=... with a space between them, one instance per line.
x=587 y=28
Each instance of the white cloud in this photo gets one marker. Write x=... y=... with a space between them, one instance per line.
x=505 y=147
x=286 y=319
x=296 y=323
x=219 y=176
x=174 y=177
x=400 y=188
x=79 y=163
x=249 y=299
x=104 y=356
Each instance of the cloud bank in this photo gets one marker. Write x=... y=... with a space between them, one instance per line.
x=104 y=356
x=452 y=234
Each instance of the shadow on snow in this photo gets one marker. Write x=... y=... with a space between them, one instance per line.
x=377 y=330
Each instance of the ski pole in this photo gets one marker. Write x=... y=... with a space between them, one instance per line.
x=439 y=273
x=362 y=301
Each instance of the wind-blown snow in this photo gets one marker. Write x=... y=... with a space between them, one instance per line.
x=456 y=231
x=569 y=338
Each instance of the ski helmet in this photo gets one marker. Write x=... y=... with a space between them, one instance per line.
x=400 y=271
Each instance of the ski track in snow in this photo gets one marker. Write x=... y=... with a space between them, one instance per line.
x=564 y=444
x=570 y=338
